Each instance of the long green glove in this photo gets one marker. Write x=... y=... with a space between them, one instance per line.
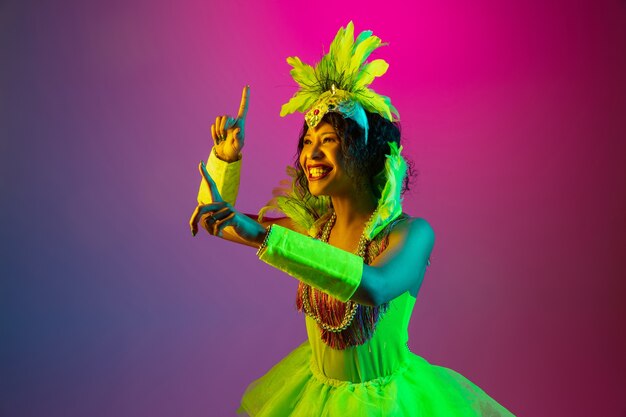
x=325 y=267
x=226 y=176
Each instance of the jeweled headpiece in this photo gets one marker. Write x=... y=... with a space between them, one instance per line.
x=340 y=81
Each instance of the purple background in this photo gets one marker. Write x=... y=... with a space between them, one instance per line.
x=514 y=113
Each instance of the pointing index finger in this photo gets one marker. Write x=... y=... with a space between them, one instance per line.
x=243 y=107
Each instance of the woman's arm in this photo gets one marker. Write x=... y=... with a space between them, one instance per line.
x=226 y=176
x=344 y=275
x=400 y=267
x=219 y=218
x=224 y=161
x=223 y=168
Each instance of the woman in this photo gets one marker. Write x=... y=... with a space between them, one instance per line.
x=360 y=275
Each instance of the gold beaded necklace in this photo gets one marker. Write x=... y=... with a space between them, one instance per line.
x=351 y=306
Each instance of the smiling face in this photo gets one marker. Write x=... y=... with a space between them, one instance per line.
x=322 y=160
x=345 y=163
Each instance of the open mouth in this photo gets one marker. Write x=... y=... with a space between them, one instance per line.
x=317 y=172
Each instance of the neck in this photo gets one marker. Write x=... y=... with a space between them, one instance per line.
x=354 y=210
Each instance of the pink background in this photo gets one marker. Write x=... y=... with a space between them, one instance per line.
x=514 y=113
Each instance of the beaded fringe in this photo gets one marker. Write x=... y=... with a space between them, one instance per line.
x=332 y=311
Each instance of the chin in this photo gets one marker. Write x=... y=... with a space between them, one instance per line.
x=322 y=187
x=316 y=192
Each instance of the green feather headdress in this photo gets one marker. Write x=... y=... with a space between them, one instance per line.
x=340 y=81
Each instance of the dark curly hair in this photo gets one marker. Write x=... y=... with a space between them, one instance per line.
x=363 y=161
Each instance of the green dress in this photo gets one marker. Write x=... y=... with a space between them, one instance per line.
x=379 y=378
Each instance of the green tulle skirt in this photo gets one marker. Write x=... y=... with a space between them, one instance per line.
x=294 y=387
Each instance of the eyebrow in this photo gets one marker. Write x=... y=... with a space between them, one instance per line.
x=322 y=134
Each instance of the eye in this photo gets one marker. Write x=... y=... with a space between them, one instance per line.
x=329 y=139
x=306 y=142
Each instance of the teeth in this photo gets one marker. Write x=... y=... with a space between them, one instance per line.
x=318 y=172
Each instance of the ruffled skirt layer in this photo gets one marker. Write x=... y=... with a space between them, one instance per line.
x=294 y=387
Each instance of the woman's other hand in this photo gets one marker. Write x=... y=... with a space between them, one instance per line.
x=218 y=215
x=229 y=134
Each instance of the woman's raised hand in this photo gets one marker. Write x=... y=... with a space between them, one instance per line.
x=219 y=214
x=229 y=134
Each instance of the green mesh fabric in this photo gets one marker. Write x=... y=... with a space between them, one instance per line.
x=379 y=378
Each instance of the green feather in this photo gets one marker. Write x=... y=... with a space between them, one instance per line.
x=301 y=207
x=362 y=36
x=301 y=101
x=390 y=202
x=343 y=49
x=362 y=51
x=302 y=73
x=375 y=103
x=370 y=71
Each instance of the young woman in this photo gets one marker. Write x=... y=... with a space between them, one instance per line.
x=360 y=260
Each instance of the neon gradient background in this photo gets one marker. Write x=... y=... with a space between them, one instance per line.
x=513 y=112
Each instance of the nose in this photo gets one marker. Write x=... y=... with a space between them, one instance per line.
x=315 y=151
x=312 y=152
